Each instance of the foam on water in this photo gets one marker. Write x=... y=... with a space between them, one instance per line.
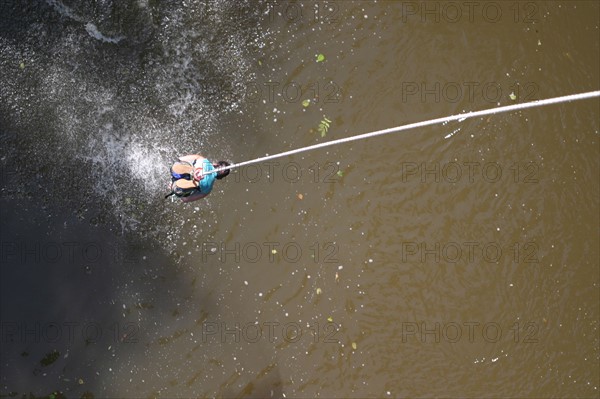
x=96 y=34
x=452 y=133
x=64 y=10
x=148 y=168
x=90 y=27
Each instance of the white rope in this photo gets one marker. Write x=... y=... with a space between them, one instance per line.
x=459 y=117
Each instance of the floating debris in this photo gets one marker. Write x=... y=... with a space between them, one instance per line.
x=50 y=358
x=324 y=126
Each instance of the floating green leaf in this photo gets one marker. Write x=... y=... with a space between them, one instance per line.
x=512 y=96
x=340 y=173
x=324 y=126
x=320 y=58
x=305 y=103
x=22 y=65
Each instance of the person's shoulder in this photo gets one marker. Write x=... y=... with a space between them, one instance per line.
x=200 y=160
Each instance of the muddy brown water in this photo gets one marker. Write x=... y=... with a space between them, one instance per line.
x=458 y=260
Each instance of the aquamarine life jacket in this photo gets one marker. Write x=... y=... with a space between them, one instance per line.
x=205 y=181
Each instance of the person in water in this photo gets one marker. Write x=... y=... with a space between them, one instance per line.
x=191 y=177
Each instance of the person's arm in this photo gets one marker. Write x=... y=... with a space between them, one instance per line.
x=191 y=158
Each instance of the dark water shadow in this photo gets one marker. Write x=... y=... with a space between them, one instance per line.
x=79 y=302
x=268 y=384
